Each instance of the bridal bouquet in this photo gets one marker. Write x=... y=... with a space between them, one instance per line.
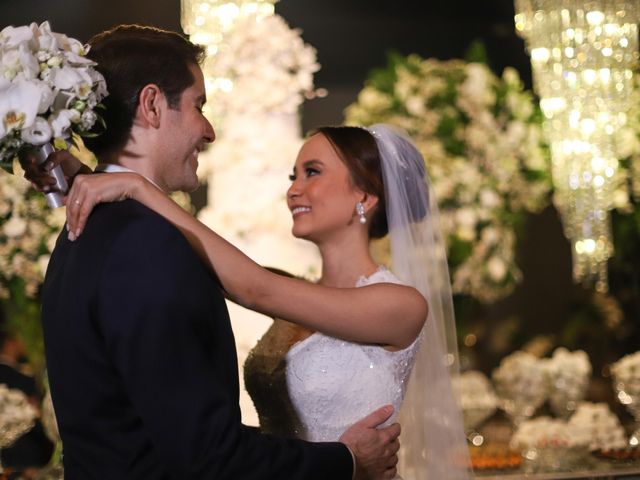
x=49 y=90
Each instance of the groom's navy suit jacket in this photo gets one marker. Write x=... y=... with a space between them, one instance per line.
x=142 y=363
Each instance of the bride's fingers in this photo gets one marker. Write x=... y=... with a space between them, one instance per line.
x=73 y=209
x=78 y=211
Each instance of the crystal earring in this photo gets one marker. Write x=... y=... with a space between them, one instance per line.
x=360 y=211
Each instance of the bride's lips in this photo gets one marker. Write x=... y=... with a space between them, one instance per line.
x=299 y=210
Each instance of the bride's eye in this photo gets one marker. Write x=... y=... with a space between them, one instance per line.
x=292 y=177
x=311 y=171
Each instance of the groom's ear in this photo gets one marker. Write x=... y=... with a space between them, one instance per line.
x=150 y=105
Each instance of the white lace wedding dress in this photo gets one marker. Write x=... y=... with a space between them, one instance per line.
x=322 y=385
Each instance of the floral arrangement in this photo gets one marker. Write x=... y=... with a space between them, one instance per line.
x=262 y=66
x=520 y=383
x=568 y=375
x=602 y=426
x=482 y=142
x=546 y=432
x=17 y=416
x=28 y=230
x=475 y=397
x=48 y=89
x=626 y=380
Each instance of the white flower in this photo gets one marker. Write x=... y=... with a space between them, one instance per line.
x=14 y=227
x=489 y=198
x=415 y=105
x=66 y=78
x=88 y=119
x=496 y=268
x=19 y=102
x=14 y=36
x=38 y=133
x=62 y=120
x=373 y=99
x=477 y=85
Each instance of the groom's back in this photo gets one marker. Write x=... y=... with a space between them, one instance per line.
x=95 y=340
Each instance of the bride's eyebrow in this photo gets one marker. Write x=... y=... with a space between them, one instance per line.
x=312 y=163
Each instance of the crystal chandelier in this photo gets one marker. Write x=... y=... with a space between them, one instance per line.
x=583 y=55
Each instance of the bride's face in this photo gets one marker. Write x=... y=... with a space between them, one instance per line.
x=322 y=198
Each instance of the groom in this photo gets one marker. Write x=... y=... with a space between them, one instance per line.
x=140 y=352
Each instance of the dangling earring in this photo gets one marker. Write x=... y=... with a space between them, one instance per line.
x=360 y=211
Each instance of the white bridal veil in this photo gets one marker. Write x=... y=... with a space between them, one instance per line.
x=434 y=446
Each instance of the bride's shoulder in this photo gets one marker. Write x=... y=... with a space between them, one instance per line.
x=381 y=275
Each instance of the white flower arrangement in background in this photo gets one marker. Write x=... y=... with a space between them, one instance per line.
x=546 y=432
x=568 y=374
x=520 y=384
x=601 y=424
x=261 y=66
x=475 y=397
x=28 y=230
x=48 y=89
x=482 y=142
x=17 y=416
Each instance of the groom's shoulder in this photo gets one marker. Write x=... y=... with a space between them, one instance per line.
x=127 y=217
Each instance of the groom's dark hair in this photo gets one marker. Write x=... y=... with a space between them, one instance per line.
x=131 y=57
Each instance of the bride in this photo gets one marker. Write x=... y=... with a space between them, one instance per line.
x=349 y=185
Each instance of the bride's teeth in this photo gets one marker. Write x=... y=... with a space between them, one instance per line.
x=300 y=209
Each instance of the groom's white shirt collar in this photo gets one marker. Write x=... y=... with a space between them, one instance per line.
x=113 y=168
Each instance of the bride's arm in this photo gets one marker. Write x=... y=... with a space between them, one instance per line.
x=385 y=314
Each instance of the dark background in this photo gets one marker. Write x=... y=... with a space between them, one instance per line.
x=351 y=38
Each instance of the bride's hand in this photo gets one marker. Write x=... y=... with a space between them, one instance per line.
x=89 y=190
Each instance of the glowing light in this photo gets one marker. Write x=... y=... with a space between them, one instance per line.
x=595 y=17
x=583 y=73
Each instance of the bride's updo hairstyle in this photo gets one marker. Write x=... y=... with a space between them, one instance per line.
x=358 y=150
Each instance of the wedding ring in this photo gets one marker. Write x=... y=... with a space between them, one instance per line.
x=77 y=202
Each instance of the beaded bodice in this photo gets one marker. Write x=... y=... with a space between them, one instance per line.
x=321 y=385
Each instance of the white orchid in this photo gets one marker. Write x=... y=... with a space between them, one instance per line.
x=11 y=37
x=19 y=103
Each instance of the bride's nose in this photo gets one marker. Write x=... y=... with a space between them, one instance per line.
x=294 y=190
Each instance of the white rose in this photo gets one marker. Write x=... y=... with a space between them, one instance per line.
x=61 y=122
x=496 y=268
x=477 y=85
x=14 y=227
x=372 y=99
x=88 y=119
x=415 y=105
x=489 y=198
x=43 y=262
x=37 y=134
x=511 y=77
x=490 y=235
